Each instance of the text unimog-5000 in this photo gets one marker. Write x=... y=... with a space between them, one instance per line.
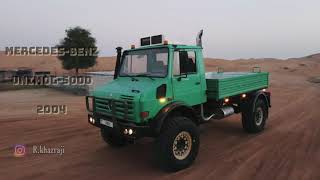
x=161 y=90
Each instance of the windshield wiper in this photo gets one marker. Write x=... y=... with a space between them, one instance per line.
x=129 y=75
x=144 y=75
x=138 y=75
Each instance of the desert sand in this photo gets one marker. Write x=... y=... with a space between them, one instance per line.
x=50 y=63
x=289 y=148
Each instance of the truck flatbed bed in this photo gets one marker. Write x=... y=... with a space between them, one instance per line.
x=225 y=84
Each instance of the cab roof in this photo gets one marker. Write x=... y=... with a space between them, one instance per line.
x=170 y=46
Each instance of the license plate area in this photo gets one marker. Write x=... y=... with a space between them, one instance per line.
x=106 y=123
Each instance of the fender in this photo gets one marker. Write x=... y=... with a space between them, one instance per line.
x=265 y=95
x=253 y=99
x=158 y=120
x=261 y=94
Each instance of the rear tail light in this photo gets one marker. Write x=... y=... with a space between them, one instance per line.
x=226 y=100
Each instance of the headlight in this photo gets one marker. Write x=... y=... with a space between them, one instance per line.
x=92 y=120
x=130 y=132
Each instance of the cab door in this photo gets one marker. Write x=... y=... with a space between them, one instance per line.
x=186 y=78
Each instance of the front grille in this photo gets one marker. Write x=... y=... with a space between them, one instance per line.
x=120 y=109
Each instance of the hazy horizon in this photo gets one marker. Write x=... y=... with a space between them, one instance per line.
x=232 y=29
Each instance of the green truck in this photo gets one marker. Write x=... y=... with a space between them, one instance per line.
x=161 y=90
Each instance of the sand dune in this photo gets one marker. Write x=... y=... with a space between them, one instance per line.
x=49 y=63
x=309 y=65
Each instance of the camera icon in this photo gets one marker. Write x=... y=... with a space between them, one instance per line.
x=19 y=150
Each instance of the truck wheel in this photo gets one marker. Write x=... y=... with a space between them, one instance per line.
x=178 y=144
x=254 y=116
x=113 y=138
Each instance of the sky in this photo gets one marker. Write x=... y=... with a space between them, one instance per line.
x=233 y=29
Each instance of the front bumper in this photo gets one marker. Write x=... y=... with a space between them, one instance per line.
x=138 y=131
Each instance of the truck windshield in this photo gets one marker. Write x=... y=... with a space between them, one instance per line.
x=149 y=63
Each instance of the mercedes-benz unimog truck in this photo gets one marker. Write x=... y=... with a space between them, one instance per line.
x=161 y=90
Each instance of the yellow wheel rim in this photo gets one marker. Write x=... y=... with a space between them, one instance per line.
x=182 y=145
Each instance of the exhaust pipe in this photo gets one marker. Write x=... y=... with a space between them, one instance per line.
x=218 y=113
x=199 y=38
x=118 y=63
x=223 y=112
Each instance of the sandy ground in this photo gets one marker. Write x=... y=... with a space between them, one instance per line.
x=50 y=63
x=289 y=148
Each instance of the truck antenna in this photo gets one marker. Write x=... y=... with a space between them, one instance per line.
x=199 y=38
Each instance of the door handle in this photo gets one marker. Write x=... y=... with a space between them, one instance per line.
x=197 y=83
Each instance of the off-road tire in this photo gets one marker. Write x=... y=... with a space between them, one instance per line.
x=254 y=116
x=177 y=130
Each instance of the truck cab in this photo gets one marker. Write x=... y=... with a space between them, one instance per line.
x=150 y=78
x=161 y=90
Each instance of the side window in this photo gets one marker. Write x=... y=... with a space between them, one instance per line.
x=184 y=62
x=191 y=62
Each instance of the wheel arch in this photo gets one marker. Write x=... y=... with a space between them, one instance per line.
x=175 y=108
x=265 y=96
